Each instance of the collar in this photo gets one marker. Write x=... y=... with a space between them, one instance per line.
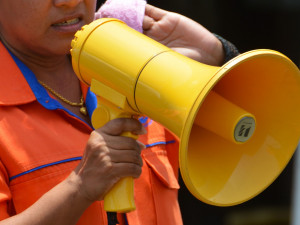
x=14 y=88
x=20 y=86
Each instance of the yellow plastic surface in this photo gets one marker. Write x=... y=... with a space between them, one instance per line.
x=263 y=83
x=202 y=106
x=222 y=124
x=112 y=53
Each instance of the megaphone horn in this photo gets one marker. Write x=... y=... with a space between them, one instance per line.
x=238 y=124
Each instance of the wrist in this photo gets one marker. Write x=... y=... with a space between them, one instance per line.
x=75 y=184
x=229 y=50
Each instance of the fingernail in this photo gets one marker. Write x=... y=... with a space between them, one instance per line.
x=142 y=146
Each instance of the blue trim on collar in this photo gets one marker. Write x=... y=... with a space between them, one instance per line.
x=46 y=101
x=90 y=102
x=42 y=95
x=146 y=121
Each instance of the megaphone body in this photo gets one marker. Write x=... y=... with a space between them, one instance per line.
x=238 y=125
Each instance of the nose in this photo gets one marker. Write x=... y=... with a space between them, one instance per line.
x=66 y=3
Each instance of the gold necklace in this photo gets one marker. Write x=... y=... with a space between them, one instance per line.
x=81 y=104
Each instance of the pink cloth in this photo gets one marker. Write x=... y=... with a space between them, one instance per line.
x=129 y=11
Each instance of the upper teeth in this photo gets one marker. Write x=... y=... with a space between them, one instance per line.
x=68 y=22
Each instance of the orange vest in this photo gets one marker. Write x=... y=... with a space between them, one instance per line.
x=41 y=143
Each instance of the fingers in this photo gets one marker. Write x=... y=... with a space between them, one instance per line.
x=109 y=148
x=122 y=170
x=148 y=22
x=154 y=12
x=152 y=15
x=108 y=157
x=106 y=152
x=118 y=126
x=117 y=149
x=160 y=24
x=122 y=143
x=126 y=156
x=110 y=135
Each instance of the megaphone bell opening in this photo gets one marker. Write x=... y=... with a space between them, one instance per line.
x=222 y=161
x=226 y=119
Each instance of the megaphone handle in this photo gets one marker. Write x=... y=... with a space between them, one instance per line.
x=121 y=197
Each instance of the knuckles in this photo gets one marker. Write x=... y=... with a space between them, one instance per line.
x=135 y=170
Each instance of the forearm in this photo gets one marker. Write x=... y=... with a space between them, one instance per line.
x=62 y=205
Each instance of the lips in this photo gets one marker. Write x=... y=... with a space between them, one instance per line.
x=67 y=22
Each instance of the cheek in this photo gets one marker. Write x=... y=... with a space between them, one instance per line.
x=91 y=8
x=19 y=20
x=23 y=28
x=29 y=12
x=93 y=3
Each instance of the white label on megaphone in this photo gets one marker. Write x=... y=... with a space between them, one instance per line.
x=244 y=129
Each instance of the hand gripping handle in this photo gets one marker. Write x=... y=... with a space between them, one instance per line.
x=121 y=197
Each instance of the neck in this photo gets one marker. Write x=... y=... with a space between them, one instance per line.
x=57 y=73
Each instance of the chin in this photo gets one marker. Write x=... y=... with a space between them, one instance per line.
x=63 y=48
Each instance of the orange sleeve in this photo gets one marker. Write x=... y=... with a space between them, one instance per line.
x=5 y=194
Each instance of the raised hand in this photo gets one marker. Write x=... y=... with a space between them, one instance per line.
x=183 y=35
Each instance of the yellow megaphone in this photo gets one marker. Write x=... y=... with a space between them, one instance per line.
x=238 y=124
